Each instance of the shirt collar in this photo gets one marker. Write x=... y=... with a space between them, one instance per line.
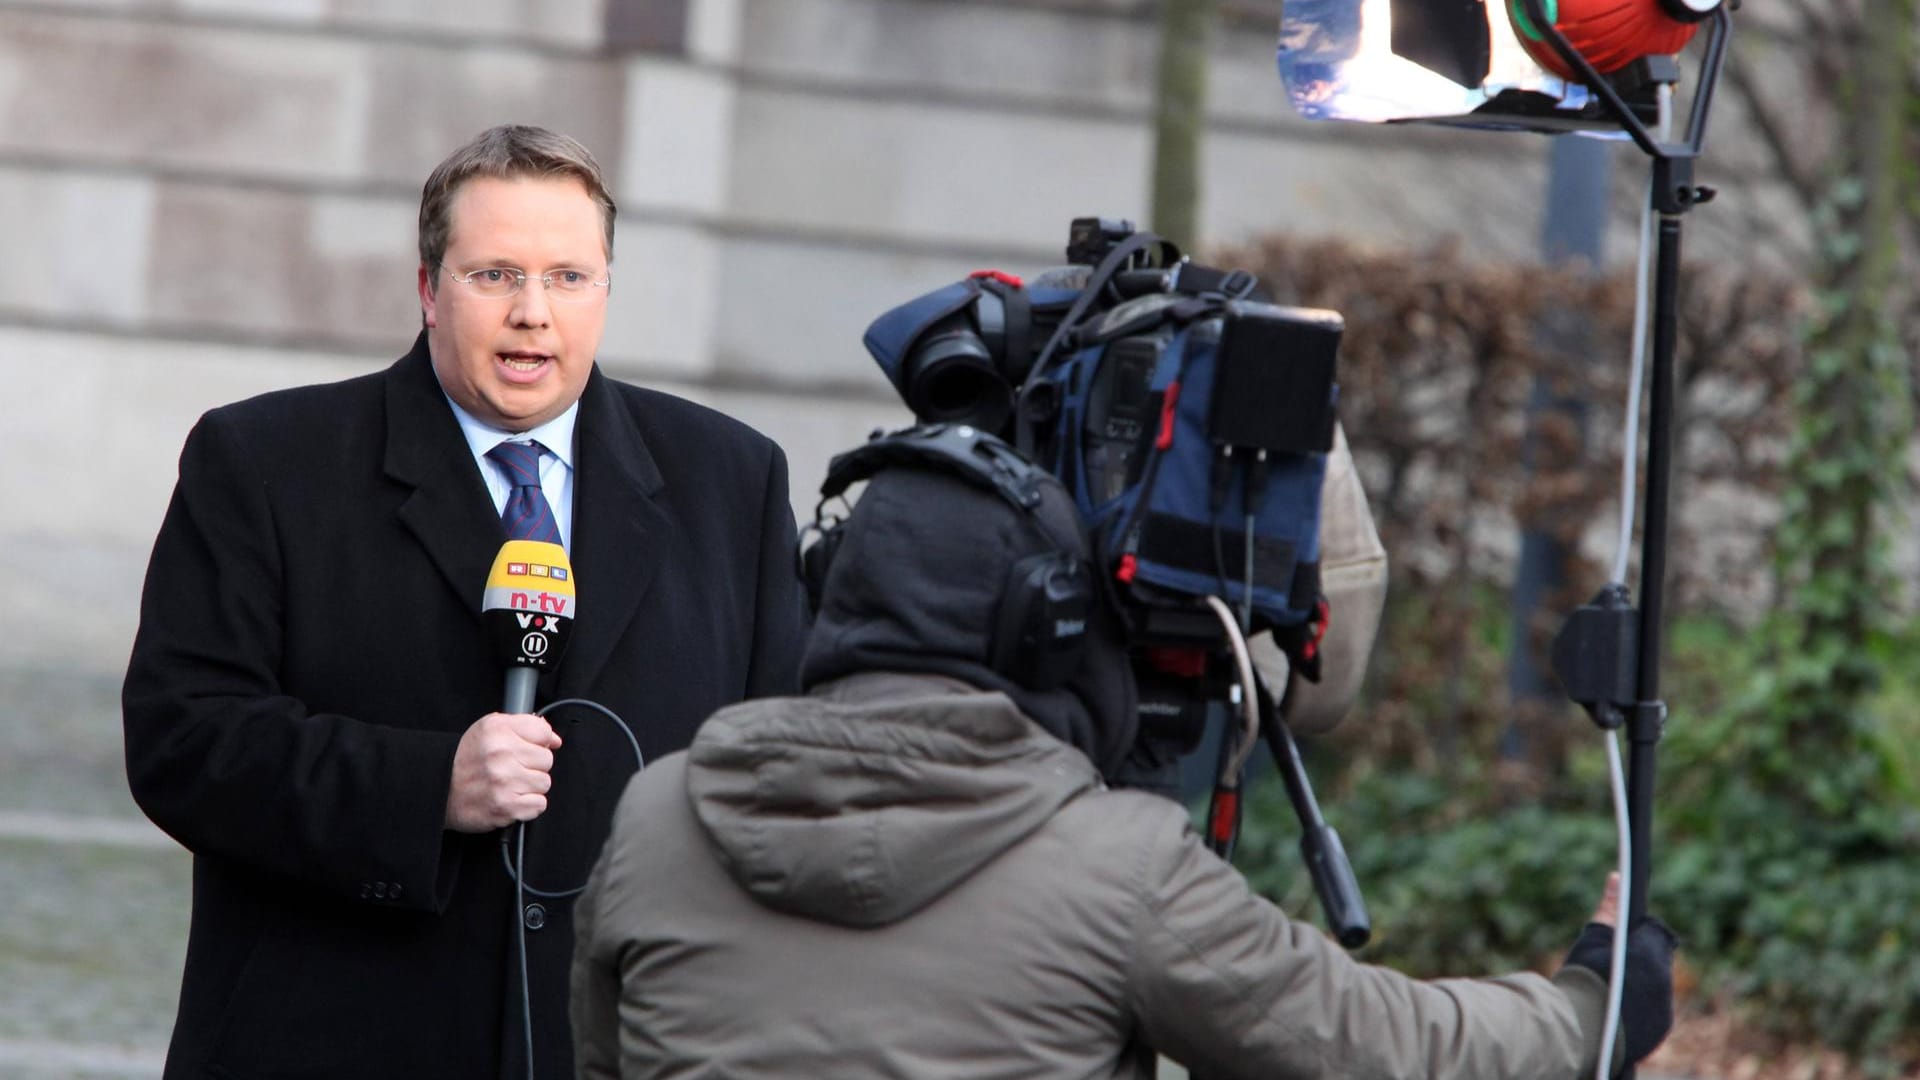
x=556 y=434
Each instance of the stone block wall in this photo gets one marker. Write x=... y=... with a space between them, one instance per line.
x=208 y=198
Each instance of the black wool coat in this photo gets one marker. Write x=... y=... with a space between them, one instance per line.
x=310 y=651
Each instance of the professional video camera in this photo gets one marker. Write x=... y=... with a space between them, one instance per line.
x=1191 y=418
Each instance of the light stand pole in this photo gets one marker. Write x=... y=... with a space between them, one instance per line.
x=1608 y=655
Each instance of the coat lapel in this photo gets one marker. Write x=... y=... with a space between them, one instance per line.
x=620 y=531
x=449 y=512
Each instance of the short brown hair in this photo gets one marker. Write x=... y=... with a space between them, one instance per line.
x=507 y=152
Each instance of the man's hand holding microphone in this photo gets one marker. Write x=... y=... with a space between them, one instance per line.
x=502 y=769
x=501 y=772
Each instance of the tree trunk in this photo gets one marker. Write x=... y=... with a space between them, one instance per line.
x=1179 y=119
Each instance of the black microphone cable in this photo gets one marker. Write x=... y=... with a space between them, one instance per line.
x=516 y=869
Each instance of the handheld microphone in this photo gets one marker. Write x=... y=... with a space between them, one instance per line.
x=528 y=610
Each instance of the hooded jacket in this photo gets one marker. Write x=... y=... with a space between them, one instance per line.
x=904 y=876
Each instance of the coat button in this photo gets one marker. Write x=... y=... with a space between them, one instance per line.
x=379 y=890
x=366 y=890
x=535 y=916
x=393 y=891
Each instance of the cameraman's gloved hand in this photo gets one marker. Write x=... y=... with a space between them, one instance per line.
x=1646 y=1001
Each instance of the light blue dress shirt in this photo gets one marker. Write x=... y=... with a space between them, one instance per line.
x=556 y=465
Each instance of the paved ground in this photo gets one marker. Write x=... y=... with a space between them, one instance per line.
x=93 y=899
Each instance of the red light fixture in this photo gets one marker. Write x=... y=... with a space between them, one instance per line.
x=1610 y=33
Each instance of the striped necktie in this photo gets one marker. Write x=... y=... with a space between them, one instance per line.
x=527 y=515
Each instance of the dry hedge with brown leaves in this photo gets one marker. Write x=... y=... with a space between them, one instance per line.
x=1442 y=355
x=1440 y=360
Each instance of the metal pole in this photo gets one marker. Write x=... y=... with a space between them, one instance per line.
x=1644 y=726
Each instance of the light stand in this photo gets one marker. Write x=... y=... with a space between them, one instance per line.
x=1608 y=654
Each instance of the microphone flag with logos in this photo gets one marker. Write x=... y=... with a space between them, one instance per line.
x=528 y=610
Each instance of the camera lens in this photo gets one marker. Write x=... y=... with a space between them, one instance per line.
x=951 y=377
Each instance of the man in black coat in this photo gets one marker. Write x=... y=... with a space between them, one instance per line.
x=312 y=704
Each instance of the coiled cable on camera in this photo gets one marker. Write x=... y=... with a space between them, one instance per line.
x=1246 y=689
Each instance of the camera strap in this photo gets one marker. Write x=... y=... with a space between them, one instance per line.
x=1194 y=279
x=1017 y=319
x=1122 y=254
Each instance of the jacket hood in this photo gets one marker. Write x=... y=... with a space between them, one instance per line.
x=871 y=797
x=919 y=581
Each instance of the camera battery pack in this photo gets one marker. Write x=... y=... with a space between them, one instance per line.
x=1274 y=388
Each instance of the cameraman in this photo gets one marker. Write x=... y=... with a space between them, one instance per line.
x=915 y=870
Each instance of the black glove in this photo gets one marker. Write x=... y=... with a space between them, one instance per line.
x=1646 y=1001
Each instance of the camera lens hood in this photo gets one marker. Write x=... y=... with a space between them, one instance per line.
x=951 y=377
